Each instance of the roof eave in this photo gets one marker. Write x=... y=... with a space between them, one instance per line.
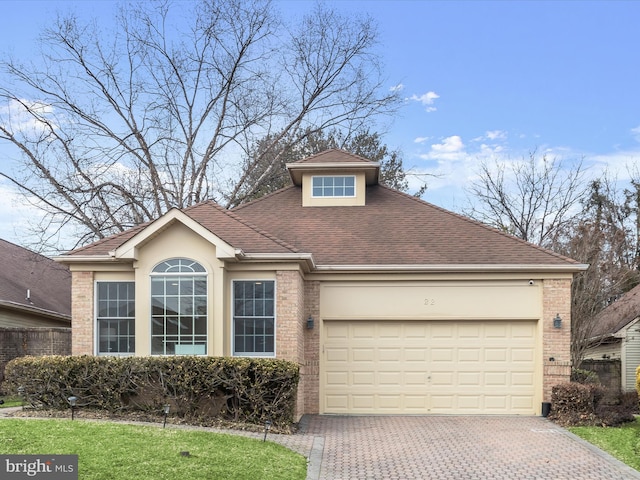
x=36 y=311
x=69 y=259
x=461 y=268
x=305 y=259
x=371 y=170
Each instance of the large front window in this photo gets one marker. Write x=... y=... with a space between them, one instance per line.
x=179 y=308
x=253 y=318
x=115 y=313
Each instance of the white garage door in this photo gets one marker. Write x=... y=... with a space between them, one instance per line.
x=394 y=367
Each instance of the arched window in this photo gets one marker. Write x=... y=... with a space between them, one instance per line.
x=179 y=308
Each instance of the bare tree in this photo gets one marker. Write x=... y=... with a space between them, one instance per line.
x=114 y=128
x=530 y=199
x=270 y=168
x=602 y=234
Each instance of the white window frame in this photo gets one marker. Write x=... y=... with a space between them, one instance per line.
x=199 y=346
x=97 y=319
x=333 y=187
x=233 y=320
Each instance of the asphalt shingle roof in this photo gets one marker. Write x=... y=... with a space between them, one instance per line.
x=48 y=282
x=391 y=229
x=619 y=314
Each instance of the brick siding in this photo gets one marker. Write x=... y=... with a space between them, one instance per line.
x=82 y=313
x=556 y=348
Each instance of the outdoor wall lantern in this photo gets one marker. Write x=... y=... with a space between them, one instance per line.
x=165 y=409
x=310 y=323
x=73 y=402
x=267 y=427
x=557 y=322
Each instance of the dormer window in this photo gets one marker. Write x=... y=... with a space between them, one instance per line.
x=336 y=186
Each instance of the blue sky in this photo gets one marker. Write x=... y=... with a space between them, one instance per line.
x=481 y=80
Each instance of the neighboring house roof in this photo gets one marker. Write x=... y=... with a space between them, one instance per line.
x=34 y=283
x=391 y=229
x=618 y=315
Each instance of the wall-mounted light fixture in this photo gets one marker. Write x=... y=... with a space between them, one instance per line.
x=310 y=323
x=557 y=321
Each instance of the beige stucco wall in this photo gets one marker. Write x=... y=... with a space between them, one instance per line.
x=180 y=241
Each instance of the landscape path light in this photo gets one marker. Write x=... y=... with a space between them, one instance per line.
x=165 y=409
x=267 y=427
x=73 y=402
x=21 y=395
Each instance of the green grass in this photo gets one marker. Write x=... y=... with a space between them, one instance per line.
x=112 y=450
x=622 y=442
x=11 y=402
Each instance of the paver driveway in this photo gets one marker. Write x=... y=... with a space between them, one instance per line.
x=452 y=447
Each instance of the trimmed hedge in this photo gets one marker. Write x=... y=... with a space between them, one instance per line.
x=575 y=404
x=200 y=389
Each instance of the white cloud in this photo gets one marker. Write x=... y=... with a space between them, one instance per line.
x=636 y=133
x=496 y=135
x=451 y=165
x=426 y=99
x=397 y=88
x=451 y=148
x=420 y=139
x=15 y=117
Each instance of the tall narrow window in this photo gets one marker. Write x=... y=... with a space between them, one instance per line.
x=115 y=313
x=254 y=318
x=179 y=308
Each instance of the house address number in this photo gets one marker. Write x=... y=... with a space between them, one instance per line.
x=429 y=301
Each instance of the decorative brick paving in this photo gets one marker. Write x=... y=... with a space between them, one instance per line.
x=451 y=447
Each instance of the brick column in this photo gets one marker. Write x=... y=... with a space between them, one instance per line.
x=290 y=324
x=82 y=308
x=556 y=341
x=310 y=370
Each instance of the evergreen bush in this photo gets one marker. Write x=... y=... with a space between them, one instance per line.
x=199 y=389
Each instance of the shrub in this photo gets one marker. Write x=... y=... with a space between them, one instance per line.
x=584 y=376
x=575 y=404
x=200 y=389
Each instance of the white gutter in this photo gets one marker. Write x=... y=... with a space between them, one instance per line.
x=85 y=258
x=455 y=268
x=37 y=310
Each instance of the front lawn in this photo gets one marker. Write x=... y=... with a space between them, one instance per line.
x=112 y=450
x=11 y=402
x=622 y=442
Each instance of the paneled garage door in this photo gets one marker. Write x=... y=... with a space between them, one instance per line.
x=447 y=367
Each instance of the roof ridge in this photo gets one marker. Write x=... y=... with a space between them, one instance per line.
x=483 y=225
x=334 y=150
x=244 y=222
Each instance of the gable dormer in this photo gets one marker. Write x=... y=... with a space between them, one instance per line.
x=334 y=178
